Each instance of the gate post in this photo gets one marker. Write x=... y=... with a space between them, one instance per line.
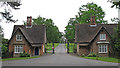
x=53 y=48
x=68 y=47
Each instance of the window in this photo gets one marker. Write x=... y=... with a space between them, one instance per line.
x=102 y=48
x=18 y=49
x=102 y=36
x=18 y=37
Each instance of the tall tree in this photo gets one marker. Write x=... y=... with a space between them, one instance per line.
x=70 y=30
x=90 y=9
x=116 y=40
x=52 y=32
x=116 y=3
x=85 y=11
x=1 y=35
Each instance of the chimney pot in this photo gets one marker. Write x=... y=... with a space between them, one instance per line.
x=92 y=21
x=29 y=21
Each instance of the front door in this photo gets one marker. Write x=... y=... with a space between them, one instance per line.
x=36 y=51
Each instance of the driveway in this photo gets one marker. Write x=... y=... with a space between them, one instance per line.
x=60 y=58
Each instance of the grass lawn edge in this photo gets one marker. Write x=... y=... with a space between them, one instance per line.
x=100 y=59
x=19 y=58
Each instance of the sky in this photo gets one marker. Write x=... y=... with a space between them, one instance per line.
x=60 y=11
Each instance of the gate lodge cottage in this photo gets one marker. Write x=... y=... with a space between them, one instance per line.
x=94 y=38
x=29 y=38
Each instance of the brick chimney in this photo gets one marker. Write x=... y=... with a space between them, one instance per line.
x=29 y=21
x=92 y=21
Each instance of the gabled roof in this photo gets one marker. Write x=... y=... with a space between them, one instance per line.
x=85 y=33
x=34 y=35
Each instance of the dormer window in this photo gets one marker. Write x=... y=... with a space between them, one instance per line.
x=102 y=36
x=18 y=37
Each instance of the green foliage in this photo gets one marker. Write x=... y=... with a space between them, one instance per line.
x=72 y=47
x=91 y=9
x=70 y=30
x=4 y=45
x=83 y=17
x=83 y=55
x=4 y=49
x=24 y=54
x=92 y=55
x=115 y=4
x=52 y=32
x=107 y=59
x=116 y=38
x=20 y=58
x=48 y=46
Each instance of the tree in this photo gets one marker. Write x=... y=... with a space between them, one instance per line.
x=91 y=9
x=116 y=37
x=115 y=3
x=1 y=35
x=85 y=11
x=70 y=30
x=6 y=13
x=1 y=31
x=115 y=42
x=52 y=32
x=4 y=45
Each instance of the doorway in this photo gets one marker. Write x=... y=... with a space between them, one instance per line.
x=36 y=51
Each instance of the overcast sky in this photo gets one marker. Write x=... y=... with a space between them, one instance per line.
x=60 y=11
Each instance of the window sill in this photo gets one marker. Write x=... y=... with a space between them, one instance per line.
x=18 y=40
x=103 y=39
x=102 y=52
x=18 y=52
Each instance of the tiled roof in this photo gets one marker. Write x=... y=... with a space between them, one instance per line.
x=85 y=33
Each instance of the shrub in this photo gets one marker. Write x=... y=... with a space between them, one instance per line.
x=92 y=55
x=24 y=54
x=75 y=50
x=83 y=55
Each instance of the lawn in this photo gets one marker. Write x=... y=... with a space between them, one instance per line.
x=19 y=58
x=49 y=46
x=71 y=46
x=107 y=59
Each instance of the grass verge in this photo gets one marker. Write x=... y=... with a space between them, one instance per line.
x=71 y=47
x=107 y=59
x=19 y=58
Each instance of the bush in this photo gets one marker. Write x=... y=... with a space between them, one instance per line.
x=75 y=50
x=83 y=55
x=92 y=55
x=24 y=54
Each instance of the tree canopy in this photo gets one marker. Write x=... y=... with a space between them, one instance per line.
x=85 y=11
x=116 y=38
x=6 y=13
x=115 y=3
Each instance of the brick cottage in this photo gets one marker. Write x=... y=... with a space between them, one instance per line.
x=94 y=38
x=29 y=38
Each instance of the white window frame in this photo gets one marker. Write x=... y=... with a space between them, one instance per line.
x=102 y=36
x=18 y=37
x=18 y=49
x=102 y=49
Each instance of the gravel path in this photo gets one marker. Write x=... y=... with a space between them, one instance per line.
x=60 y=58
